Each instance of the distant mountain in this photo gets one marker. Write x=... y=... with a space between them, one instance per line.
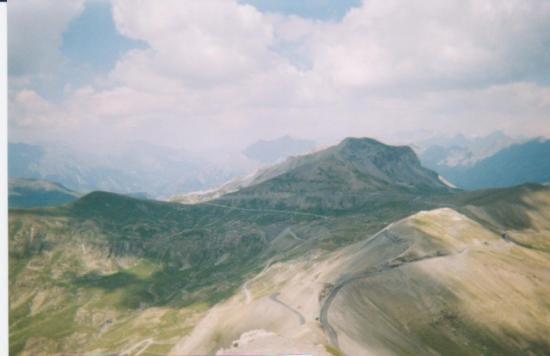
x=353 y=174
x=32 y=193
x=349 y=173
x=268 y=152
x=460 y=150
x=527 y=162
x=137 y=167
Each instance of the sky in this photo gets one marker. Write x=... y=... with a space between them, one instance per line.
x=215 y=75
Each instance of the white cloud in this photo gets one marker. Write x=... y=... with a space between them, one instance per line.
x=201 y=43
x=221 y=74
x=35 y=35
x=434 y=43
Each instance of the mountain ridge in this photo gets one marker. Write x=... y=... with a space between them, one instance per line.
x=111 y=273
x=346 y=176
x=36 y=193
x=515 y=164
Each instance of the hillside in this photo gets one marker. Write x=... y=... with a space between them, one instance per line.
x=33 y=193
x=110 y=273
x=435 y=281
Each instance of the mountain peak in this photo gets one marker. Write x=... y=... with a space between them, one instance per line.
x=371 y=147
x=349 y=174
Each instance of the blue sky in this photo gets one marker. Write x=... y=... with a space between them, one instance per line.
x=91 y=45
x=93 y=40
x=311 y=9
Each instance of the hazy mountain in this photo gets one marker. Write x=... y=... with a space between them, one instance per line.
x=513 y=165
x=32 y=193
x=271 y=151
x=460 y=150
x=138 y=167
x=313 y=257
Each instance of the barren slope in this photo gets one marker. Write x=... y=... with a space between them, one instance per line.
x=430 y=283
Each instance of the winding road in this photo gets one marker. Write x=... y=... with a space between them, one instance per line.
x=345 y=280
x=247 y=293
x=291 y=212
x=275 y=297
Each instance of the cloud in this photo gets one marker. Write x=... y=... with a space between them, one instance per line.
x=200 y=43
x=35 y=35
x=426 y=44
x=217 y=74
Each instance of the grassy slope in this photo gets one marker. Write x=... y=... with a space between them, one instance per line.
x=112 y=259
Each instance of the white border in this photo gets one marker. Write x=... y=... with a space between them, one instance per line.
x=4 y=301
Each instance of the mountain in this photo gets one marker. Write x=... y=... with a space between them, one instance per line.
x=459 y=150
x=469 y=279
x=513 y=165
x=311 y=258
x=135 y=167
x=32 y=193
x=271 y=151
x=351 y=175
x=22 y=158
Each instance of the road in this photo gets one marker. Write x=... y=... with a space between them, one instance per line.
x=248 y=295
x=345 y=280
x=288 y=231
x=138 y=348
x=291 y=212
x=275 y=297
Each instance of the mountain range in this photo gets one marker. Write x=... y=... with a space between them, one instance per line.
x=132 y=168
x=461 y=150
x=514 y=164
x=355 y=249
